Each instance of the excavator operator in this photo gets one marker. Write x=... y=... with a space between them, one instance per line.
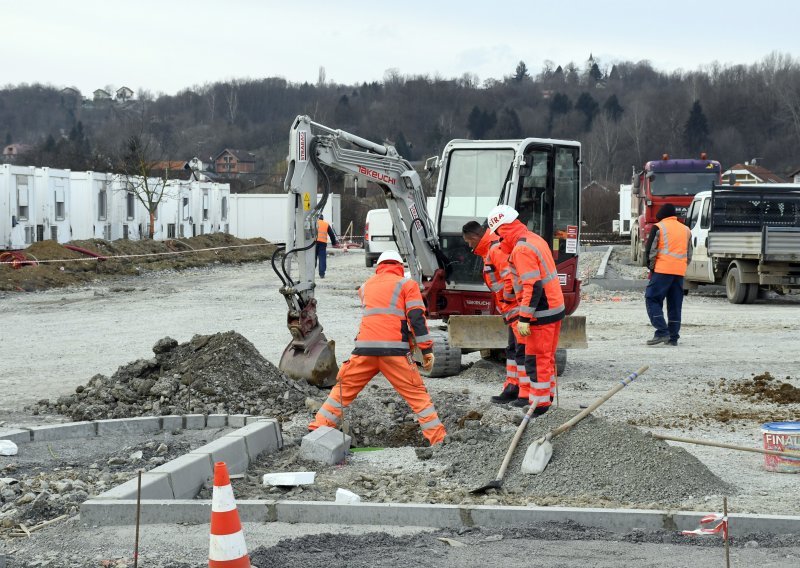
x=393 y=321
x=497 y=277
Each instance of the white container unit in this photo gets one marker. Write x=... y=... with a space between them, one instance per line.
x=265 y=215
x=18 y=201
x=53 y=204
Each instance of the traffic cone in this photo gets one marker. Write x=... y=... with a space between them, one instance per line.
x=227 y=548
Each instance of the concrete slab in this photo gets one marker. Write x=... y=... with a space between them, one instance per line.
x=231 y=450
x=187 y=474
x=66 y=431
x=601 y=270
x=105 y=512
x=216 y=420
x=138 y=425
x=16 y=435
x=326 y=445
x=259 y=437
x=252 y=419
x=237 y=420
x=194 y=421
x=172 y=422
x=154 y=486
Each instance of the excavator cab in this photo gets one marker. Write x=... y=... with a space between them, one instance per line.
x=540 y=178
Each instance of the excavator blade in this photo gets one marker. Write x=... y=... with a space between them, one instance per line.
x=490 y=332
x=314 y=362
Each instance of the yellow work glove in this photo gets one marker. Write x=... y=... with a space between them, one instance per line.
x=524 y=328
x=427 y=361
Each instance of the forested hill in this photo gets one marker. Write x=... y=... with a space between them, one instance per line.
x=624 y=114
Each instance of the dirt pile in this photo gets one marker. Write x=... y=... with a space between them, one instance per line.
x=597 y=463
x=172 y=254
x=33 y=491
x=220 y=373
x=765 y=388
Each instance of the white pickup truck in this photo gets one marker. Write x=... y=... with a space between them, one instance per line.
x=747 y=238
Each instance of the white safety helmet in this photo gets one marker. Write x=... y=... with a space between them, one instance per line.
x=501 y=215
x=390 y=255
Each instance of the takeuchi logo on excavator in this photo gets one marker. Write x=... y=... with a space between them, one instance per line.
x=376 y=175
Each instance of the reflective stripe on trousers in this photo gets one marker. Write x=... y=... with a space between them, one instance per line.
x=540 y=362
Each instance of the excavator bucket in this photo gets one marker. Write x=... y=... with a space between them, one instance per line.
x=314 y=362
x=490 y=332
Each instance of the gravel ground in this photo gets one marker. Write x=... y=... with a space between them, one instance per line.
x=80 y=332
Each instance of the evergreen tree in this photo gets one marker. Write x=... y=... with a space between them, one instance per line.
x=521 y=72
x=612 y=108
x=508 y=125
x=480 y=122
x=589 y=107
x=560 y=104
x=595 y=74
x=403 y=147
x=695 y=132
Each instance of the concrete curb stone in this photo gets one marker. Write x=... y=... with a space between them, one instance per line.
x=194 y=421
x=154 y=486
x=172 y=422
x=229 y=449
x=16 y=435
x=217 y=421
x=187 y=473
x=237 y=420
x=65 y=431
x=259 y=437
x=137 y=425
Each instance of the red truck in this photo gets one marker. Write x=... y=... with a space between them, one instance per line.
x=665 y=181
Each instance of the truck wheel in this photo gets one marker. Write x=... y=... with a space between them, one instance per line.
x=447 y=359
x=735 y=290
x=561 y=361
x=634 y=247
x=643 y=260
x=368 y=260
x=752 y=293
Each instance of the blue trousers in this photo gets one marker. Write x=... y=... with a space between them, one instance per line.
x=322 y=258
x=669 y=287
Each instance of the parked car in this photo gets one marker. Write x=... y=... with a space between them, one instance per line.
x=378 y=235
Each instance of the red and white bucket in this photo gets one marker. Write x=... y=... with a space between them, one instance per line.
x=783 y=437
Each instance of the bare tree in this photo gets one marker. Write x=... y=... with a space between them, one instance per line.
x=232 y=99
x=140 y=157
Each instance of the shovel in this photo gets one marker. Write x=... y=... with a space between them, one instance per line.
x=539 y=452
x=794 y=455
x=497 y=482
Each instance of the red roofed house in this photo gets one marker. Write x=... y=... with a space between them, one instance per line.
x=235 y=162
x=748 y=173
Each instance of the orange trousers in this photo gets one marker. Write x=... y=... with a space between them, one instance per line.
x=540 y=362
x=401 y=372
x=515 y=360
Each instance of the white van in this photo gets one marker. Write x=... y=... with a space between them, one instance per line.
x=378 y=235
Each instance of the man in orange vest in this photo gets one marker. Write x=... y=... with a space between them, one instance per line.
x=497 y=277
x=669 y=250
x=393 y=321
x=324 y=230
x=541 y=303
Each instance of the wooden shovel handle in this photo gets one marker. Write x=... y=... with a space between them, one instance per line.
x=587 y=411
x=514 y=441
x=795 y=455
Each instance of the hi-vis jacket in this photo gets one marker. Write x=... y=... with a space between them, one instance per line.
x=497 y=275
x=534 y=275
x=673 y=249
x=324 y=230
x=394 y=314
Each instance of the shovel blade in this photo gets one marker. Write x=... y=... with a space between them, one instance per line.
x=493 y=484
x=537 y=457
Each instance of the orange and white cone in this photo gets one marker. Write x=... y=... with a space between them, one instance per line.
x=227 y=548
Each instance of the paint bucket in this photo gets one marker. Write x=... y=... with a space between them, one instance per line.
x=783 y=437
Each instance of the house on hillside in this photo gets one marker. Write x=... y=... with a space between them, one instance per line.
x=231 y=161
x=101 y=95
x=71 y=92
x=171 y=169
x=123 y=94
x=12 y=151
x=749 y=173
x=794 y=177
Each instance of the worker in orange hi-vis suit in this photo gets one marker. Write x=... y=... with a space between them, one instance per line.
x=541 y=302
x=393 y=320
x=497 y=276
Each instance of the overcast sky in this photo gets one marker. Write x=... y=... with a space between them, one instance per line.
x=169 y=45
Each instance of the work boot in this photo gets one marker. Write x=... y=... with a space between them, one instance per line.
x=520 y=402
x=509 y=393
x=657 y=340
x=541 y=410
x=673 y=342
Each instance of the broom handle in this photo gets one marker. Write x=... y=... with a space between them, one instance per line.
x=728 y=446
x=587 y=411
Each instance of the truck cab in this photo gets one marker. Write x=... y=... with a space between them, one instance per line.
x=674 y=181
x=698 y=219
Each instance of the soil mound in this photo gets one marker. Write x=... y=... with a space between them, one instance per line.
x=767 y=388
x=125 y=257
x=220 y=373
